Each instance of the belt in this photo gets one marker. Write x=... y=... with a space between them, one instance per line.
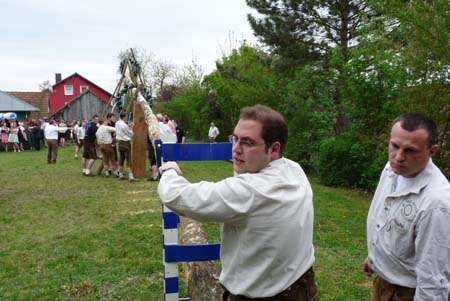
x=302 y=281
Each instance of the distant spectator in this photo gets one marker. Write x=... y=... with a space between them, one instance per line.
x=44 y=124
x=14 y=137
x=23 y=138
x=180 y=134
x=36 y=132
x=5 y=136
x=213 y=133
x=171 y=124
x=79 y=134
x=62 y=135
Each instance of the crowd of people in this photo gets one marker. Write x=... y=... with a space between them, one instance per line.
x=110 y=141
x=20 y=136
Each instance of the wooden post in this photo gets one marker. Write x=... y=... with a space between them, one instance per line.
x=139 y=154
x=202 y=278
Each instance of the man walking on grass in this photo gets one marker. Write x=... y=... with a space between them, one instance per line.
x=408 y=225
x=266 y=212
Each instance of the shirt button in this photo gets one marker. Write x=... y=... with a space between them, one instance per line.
x=378 y=226
x=371 y=261
x=373 y=244
x=386 y=208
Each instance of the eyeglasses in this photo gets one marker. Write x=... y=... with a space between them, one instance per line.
x=244 y=142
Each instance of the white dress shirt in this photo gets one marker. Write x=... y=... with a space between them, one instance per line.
x=81 y=132
x=267 y=224
x=408 y=232
x=51 y=131
x=103 y=134
x=123 y=131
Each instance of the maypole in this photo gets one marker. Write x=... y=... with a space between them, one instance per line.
x=133 y=96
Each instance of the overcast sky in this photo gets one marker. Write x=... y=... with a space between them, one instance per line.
x=42 y=37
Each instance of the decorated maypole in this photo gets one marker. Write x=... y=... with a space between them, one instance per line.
x=133 y=96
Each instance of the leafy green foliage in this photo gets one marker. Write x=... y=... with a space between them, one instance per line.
x=309 y=112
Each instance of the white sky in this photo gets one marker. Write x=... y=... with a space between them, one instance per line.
x=39 y=38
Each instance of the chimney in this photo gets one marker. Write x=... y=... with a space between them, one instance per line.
x=57 y=78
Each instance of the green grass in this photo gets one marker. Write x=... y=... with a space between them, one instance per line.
x=68 y=237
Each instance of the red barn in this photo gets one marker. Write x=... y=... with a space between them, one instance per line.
x=70 y=88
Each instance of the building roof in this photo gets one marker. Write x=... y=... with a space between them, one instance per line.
x=77 y=74
x=37 y=99
x=10 y=103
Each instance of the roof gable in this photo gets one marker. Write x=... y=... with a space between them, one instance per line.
x=84 y=78
x=14 y=104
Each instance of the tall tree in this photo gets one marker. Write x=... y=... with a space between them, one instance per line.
x=419 y=32
x=305 y=30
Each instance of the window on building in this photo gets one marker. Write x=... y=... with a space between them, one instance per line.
x=68 y=90
x=83 y=88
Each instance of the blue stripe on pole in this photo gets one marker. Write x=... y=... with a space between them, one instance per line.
x=171 y=220
x=196 y=151
x=189 y=253
x=171 y=285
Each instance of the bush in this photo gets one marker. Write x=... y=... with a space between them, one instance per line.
x=345 y=162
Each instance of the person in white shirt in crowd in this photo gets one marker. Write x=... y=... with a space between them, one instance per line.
x=51 y=132
x=124 y=134
x=213 y=133
x=408 y=225
x=80 y=132
x=167 y=135
x=104 y=141
x=266 y=211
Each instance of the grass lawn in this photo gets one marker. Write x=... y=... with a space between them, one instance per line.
x=68 y=237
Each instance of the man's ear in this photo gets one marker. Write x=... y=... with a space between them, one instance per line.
x=433 y=149
x=275 y=150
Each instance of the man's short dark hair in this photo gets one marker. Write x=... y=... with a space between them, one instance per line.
x=109 y=115
x=274 y=127
x=123 y=114
x=94 y=116
x=414 y=121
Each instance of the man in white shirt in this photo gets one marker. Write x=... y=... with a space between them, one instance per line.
x=408 y=225
x=124 y=134
x=213 y=133
x=266 y=212
x=167 y=136
x=51 y=136
x=104 y=141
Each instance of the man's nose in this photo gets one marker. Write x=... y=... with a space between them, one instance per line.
x=237 y=148
x=400 y=155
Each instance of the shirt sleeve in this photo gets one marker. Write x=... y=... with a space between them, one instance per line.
x=432 y=255
x=228 y=201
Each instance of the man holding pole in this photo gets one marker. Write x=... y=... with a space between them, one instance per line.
x=266 y=212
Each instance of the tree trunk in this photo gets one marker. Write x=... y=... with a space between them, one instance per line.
x=202 y=278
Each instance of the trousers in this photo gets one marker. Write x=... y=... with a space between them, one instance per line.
x=303 y=289
x=385 y=291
